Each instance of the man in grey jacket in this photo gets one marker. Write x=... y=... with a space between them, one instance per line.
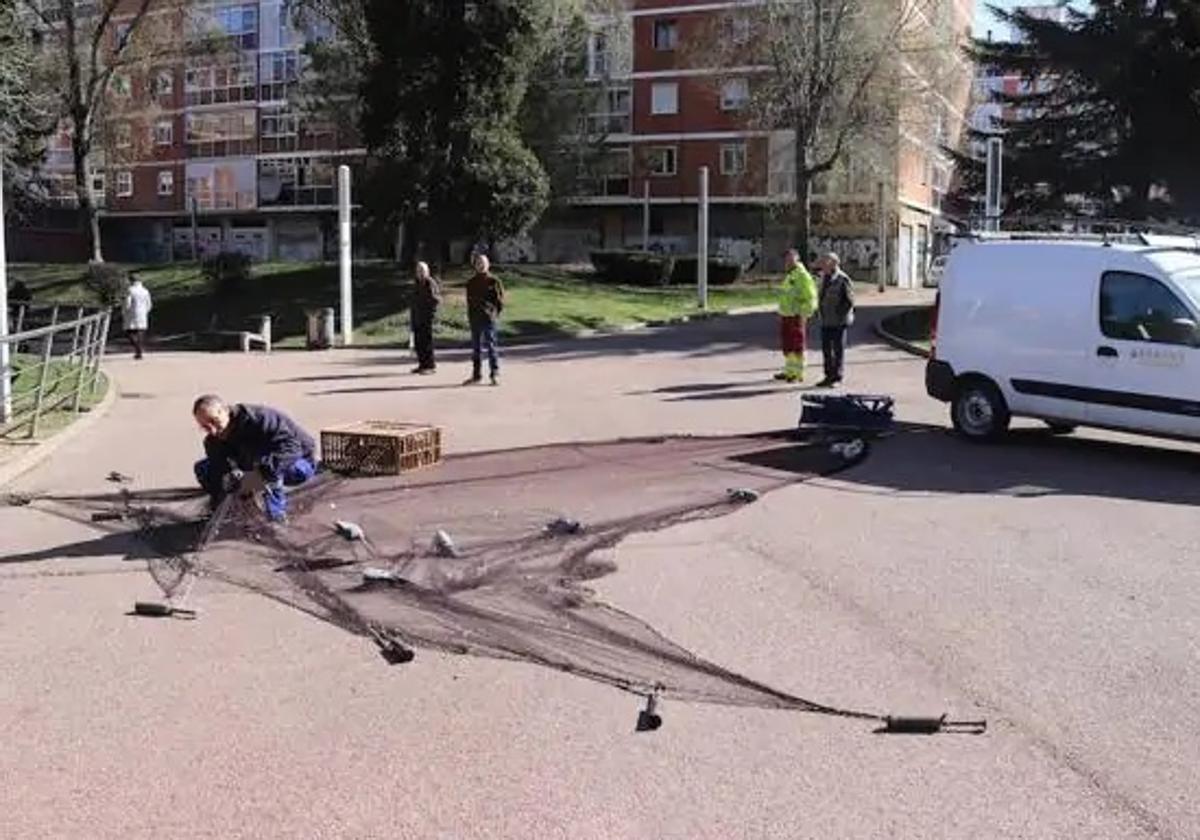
x=835 y=308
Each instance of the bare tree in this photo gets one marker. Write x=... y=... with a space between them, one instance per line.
x=835 y=75
x=85 y=46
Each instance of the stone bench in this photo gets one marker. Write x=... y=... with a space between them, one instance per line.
x=244 y=340
x=263 y=336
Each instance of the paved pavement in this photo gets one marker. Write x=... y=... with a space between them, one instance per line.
x=1046 y=584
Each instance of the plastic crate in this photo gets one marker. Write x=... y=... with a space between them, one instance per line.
x=380 y=447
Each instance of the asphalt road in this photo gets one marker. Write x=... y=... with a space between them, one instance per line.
x=1047 y=585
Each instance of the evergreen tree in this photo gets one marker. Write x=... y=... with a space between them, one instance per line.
x=25 y=112
x=1110 y=113
x=441 y=96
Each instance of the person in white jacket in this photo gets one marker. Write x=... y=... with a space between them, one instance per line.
x=137 y=314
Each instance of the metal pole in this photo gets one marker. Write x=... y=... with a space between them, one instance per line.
x=75 y=335
x=84 y=364
x=5 y=367
x=702 y=241
x=101 y=347
x=646 y=215
x=881 y=211
x=38 y=399
x=991 y=208
x=195 y=233
x=344 y=254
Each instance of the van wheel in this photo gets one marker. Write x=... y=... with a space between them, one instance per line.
x=1060 y=428
x=978 y=411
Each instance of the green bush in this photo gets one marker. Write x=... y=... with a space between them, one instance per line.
x=107 y=283
x=721 y=272
x=633 y=268
x=227 y=273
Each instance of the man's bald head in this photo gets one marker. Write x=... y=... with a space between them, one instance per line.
x=211 y=414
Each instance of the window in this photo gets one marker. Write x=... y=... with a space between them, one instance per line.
x=660 y=160
x=124 y=184
x=301 y=182
x=164 y=83
x=664 y=98
x=278 y=74
x=278 y=131
x=237 y=22
x=733 y=159
x=166 y=182
x=278 y=124
x=98 y=184
x=735 y=93
x=235 y=82
x=612 y=114
x=737 y=28
x=218 y=134
x=607 y=176
x=1134 y=307
x=666 y=34
x=597 y=55
x=164 y=133
x=122 y=34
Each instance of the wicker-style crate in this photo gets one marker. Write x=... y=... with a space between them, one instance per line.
x=380 y=447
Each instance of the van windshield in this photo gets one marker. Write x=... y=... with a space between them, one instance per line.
x=1190 y=284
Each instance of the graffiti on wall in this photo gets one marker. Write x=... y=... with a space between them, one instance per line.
x=745 y=252
x=858 y=252
x=843 y=214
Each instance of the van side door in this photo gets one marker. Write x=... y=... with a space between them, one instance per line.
x=1145 y=364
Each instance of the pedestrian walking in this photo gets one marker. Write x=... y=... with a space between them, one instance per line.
x=485 y=302
x=138 y=304
x=836 y=311
x=427 y=297
x=797 y=302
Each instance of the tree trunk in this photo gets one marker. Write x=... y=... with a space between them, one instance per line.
x=803 y=209
x=87 y=207
x=803 y=223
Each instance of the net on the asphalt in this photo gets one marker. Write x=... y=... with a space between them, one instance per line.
x=511 y=581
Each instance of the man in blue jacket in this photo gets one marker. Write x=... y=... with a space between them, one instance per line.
x=252 y=449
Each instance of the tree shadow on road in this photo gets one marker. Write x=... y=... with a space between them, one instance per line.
x=701 y=339
x=1030 y=463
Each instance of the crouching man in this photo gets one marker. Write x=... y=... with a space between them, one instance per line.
x=252 y=449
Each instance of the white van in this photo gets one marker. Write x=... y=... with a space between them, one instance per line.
x=1071 y=333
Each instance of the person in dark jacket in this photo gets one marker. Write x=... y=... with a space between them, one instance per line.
x=252 y=449
x=835 y=308
x=485 y=302
x=427 y=297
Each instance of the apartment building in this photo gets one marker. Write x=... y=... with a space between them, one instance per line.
x=207 y=144
x=669 y=110
x=989 y=81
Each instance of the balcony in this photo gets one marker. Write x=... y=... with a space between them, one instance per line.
x=211 y=200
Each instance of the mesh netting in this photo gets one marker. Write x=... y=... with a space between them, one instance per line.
x=490 y=554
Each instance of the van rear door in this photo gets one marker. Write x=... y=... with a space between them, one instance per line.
x=1144 y=373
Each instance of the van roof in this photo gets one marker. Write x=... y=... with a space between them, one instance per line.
x=1168 y=258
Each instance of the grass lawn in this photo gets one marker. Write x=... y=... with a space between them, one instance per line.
x=58 y=401
x=542 y=300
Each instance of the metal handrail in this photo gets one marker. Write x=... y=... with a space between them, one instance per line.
x=89 y=341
